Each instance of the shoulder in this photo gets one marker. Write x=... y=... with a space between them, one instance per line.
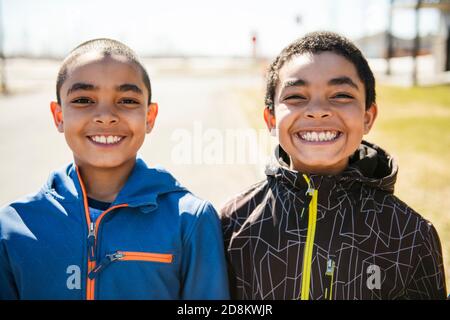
x=24 y=203
x=242 y=205
x=404 y=216
x=196 y=216
x=13 y=216
x=395 y=204
x=190 y=204
x=184 y=202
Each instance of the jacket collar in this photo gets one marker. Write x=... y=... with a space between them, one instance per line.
x=369 y=165
x=142 y=188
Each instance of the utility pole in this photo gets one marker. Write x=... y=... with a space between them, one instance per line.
x=3 y=87
x=389 y=39
x=416 y=47
x=254 y=46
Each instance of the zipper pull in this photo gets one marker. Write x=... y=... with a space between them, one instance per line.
x=307 y=201
x=330 y=274
x=91 y=241
x=310 y=190
x=309 y=195
x=330 y=267
x=104 y=263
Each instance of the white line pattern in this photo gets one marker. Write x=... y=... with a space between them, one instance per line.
x=360 y=223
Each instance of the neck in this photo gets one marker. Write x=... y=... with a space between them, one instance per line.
x=104 y=184
x=320 y=170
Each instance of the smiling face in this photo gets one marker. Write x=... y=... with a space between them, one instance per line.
x=320 y=112
x=104 y=113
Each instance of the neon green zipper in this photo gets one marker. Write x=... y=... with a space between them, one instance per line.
x=307 y=255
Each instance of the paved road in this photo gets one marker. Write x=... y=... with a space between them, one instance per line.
x=193 y=102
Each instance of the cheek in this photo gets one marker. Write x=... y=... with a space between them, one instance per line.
x=284 y=117
x=353 y=117
x=74 y=119
x=354 y=122
x=138 y=123
x=69 y=128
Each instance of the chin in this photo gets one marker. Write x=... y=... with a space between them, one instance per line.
x=319 y=160
x=319 y=164
x=105 y=163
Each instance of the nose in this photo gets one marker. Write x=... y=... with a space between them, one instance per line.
x=105 y=115
x=317 y=110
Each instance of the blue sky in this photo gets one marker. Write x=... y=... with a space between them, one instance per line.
x=194 y=27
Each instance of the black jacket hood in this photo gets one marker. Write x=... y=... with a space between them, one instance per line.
x=369 y=165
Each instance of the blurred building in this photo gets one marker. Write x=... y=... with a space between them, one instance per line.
x=375 y=46
x=434 y=47
x=441 y=45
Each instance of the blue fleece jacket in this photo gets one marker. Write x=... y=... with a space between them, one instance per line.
x=156 y=241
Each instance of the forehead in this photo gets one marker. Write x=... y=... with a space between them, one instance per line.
x=318 y=68
x=103 y=71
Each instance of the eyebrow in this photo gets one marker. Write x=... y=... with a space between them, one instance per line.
x=81 y=86
x=333 y=82
x=342 y=81
x=294 y=83
x=129 y=87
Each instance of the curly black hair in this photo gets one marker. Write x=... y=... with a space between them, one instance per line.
x=106 y=47
x=317 y=42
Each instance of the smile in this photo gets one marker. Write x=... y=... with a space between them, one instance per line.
x=106 y=139
x=319 y=136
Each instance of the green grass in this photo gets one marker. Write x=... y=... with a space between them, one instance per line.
x=413 y=124
x=433 y=95
x=428 y=134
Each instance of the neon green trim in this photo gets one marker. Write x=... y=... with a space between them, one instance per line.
x=307 y=255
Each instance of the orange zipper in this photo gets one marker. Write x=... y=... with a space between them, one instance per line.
x=142 y=256
x=93 y=231
x=129 y=256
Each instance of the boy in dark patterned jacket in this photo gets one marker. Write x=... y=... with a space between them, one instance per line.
x=325 y=224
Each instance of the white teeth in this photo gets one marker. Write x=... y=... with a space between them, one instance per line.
x=106 y=139
x=318 y=136
x=322 y=136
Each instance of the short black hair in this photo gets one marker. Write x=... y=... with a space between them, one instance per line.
x=106 y=47
x=317 y=42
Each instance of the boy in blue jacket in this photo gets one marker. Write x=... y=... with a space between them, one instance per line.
x=107 y=226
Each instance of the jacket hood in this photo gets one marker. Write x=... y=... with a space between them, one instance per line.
x=369 y=165
x=142 y=189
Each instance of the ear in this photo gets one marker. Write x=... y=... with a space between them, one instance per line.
x=369 y=117
x=269 y=118
x=57 y=114
x=152 y=113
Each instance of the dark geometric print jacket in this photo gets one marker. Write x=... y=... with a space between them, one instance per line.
x=296 y=236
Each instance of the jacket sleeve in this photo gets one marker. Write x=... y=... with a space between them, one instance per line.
x=236 y=291
x=428 y=278
x=203 y=263
x=8 y=288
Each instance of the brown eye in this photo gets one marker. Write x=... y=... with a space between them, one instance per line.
x=82 y=101
x=295 y=97
x=342 y=96
x=129 y=101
